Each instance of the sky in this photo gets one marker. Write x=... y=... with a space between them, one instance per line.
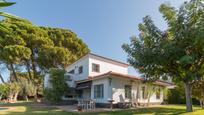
x=104 y=25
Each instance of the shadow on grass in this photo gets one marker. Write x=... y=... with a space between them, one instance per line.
x=140 y=111
x=31 y=108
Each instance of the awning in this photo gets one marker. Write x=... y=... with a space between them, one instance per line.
x=84 y=85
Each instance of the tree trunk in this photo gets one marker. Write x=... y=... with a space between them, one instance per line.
x=14 y=72
x=26 y=97
x=148 y=100
x=36 y=94
x=15 y=96
x=33 y=62
x=201 y=103
x=10 y=97
x=28 y=69
x=36 y=97
x=188 y=89
x=33 y=65
x=2 y=79
x=137 y=96
x=1 y=97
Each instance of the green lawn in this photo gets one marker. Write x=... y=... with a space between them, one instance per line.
x=30 y=109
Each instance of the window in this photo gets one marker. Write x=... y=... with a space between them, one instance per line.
x=67 y=78
x=95 y=67
x=72 y=71
x=128 y=90
x=98 y=91
x=80 y=69
x=68 y=96
x=158 y=94
x=143 y=93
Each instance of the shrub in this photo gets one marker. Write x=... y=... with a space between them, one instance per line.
x=58 y=86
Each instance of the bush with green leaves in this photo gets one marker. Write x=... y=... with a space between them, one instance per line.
x=58 y=86
x=3 y=90
x=177 y=95
x=198 y=92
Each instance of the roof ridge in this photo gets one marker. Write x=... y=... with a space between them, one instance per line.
x=107 y=58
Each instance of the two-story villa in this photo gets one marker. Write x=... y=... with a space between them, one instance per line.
x=103 y=79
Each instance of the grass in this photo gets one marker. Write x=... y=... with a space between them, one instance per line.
x=23 y=108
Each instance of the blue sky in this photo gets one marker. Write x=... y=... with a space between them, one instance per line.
x=104 y=25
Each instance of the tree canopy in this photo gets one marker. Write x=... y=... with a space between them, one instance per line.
x=175 y=53
x=37 y=49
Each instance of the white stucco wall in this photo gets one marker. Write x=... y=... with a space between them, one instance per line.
x=106 y=66
x=46 y=81
x=118 y=87
x=106 y=88
x=75 y=66
x=153 y=98
x=118 y=91
x=87 y=61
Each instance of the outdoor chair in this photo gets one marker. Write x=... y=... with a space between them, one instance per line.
x=86 y=104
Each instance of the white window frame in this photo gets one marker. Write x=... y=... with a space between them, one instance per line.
x=99 y=91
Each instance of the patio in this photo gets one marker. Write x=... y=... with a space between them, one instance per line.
x=73 y=108
x=85 y=105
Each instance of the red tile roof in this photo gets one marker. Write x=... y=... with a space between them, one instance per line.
x=115 y=74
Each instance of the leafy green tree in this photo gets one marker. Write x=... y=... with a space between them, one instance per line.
x=13 y=91
x=38 y=49
x=1 y=77
x=3 y=90
x=3 y=3
x=53 y=57
x=175 y=53
x=44 y=40
x=34 y=37
x=15 y=54
x=27 y=86
x=58 y=86
x=198 y=92
x=69 y=40
x=177 y=95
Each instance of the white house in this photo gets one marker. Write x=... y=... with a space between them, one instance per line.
x=103 y=79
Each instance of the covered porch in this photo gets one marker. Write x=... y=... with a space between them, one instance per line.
x=84 y=89
x=123 y=91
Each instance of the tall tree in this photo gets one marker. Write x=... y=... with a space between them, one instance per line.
x=27 y=84
x=67 y=39
x=4 y=3
x=198 y=92
x=50 y=47
x=176 y=52
x=15 y=54
x=50 y=57
x=58 y=86
x=32 y=37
